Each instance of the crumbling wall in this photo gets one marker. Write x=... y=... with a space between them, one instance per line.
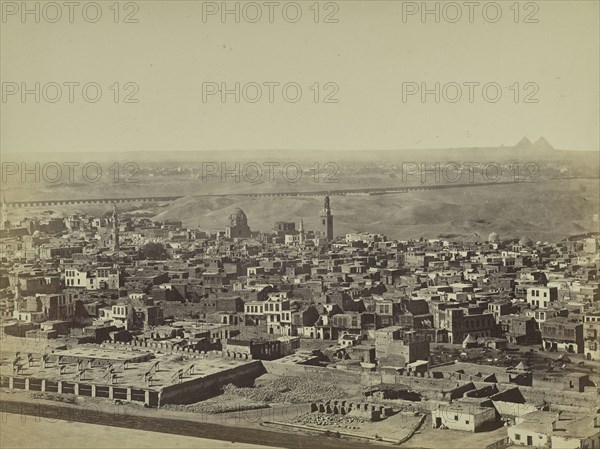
x=364 y=410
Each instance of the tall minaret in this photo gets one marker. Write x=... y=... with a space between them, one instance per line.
x=5 y=222
x=17 y=294
x=115 y=228
x=301 y=231
x=327 y=220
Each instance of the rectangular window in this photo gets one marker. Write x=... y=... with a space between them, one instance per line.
x=517 y=437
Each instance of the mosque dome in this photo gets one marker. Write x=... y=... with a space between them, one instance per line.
x=525 y=241
x=238 y=217
x=238 y=213
x=493 y=238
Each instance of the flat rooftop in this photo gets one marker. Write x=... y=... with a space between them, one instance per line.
x=131 y=374
x=469 y=368
x=106 y=354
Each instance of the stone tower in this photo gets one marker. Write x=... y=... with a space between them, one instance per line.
x=5 y=224
x=301 y=232
x=327 y=220
x=115 y=228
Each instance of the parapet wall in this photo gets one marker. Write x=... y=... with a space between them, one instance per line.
x=561 y=400
x=171 y=349
x=205 y=387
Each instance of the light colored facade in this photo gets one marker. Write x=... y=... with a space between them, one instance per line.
x=97 y=279
x=541 y=297
x=278 y=314
x=254 y=312
x=459 y=416
x=591 y=336
x=554 y=430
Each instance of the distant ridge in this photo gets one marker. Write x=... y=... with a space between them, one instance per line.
x=524 y=150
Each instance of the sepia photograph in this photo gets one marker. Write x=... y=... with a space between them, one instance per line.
x=299 y=224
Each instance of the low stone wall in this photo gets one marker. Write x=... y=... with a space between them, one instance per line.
x=81 y=388
x=366 y=410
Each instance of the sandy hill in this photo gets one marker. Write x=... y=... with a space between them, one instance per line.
x=549 y=210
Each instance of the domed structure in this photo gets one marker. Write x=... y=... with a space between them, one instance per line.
x=525 y=241
x=238 y=225
x=238 y=216
x=493 y=238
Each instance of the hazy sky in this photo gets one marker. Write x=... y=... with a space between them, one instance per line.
x=372 y=56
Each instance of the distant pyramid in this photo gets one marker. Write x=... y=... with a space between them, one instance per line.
x=542 y=145
x=524 y=143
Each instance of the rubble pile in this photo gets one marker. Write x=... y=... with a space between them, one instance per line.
x=210 y=407
x=290 y=389
x=68 y=399
x=324 y=419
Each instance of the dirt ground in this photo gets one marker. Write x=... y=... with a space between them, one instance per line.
x=430 y=438
x=395 y=427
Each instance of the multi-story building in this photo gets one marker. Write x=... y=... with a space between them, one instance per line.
x=460 y=324
x=541 y=297
x=396 y=346
x=32 y=284
x=278 y=314
x=41 y=307
x=591 y=335
x=499 y=309
x=562 y=334
x=520 y=329
x=101 y=278
x=385 y=311
x=59 y=252
x=130 y=316
x=254 y=312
